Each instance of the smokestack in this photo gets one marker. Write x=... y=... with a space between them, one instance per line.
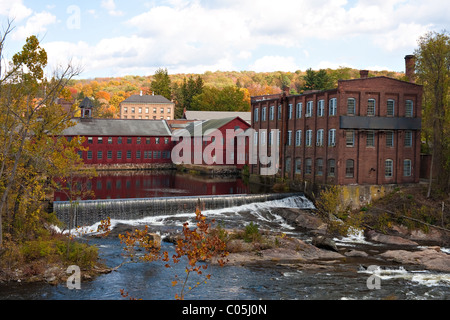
x=410 y=68
x=141 y=93
x=364 y=74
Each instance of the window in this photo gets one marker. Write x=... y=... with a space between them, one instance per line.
x=90 y=140
x=133 y=110
x=119 y=155
x=140 y=110
x=370 y=139
x=150 y=154
x=350 y=138
x=331 y=167
x=319 y=167
x=263 y=114
x=109 y=154
x=320 y=108
x=290 y=111
x=161 y=110
x=332 y=137
x=407 y=168
x=289 y=138
x=409 y=108
x=166 y=140
x=279 y=112
x=125 y=109
x=388 y=168
x=371 y=107
x=255 y=115
x=408 y=138
x=278 y=137
x=270 y=138
x=138 y=154
x=319 y=138
x=298 y=111
x=390 y=107
x=308 y=138
x=138 y=140
x=308 y=166
x=89 y=155
x=351 y=106
x=129 y=154
x=147 y=140
x=147 y=110
x=154 y=110
x=80 y=154
x=110 y=140
x=298 y=166
x=255 y=139
x=272 y=113
x=309 y=109
x=332 y=107
x=100 y=140
x=99 y=155
x=263 y=137
x=119 y=140
x=390 y=139
x=288 y=165
x=156 y=140
x=349 y=168
x=298 y=138
x=129 y=140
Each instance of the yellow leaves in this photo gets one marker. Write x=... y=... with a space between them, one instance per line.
x=174 y=283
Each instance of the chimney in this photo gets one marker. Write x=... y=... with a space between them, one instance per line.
x=410 y=68
x=364 y=74
x=141 y=93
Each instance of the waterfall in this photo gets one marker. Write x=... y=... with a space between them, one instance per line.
x=88 y=212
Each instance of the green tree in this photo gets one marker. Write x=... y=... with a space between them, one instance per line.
x=230 y=98
x=317 y=80
x=30 y=125
x=161 y=84
x=184 y=94
x=433 y=72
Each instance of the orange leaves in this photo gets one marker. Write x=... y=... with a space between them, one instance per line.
x=197 y=245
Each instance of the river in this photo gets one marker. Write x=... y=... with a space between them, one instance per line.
x=345 y=280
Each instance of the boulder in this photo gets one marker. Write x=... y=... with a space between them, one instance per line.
x=429 y=258
x=356 y=253
x=302 y=219
x=324 y=243
x=388 y=239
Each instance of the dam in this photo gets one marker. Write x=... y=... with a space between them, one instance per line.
x=88 y=212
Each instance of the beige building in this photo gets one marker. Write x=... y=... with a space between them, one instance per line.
x=147 y=107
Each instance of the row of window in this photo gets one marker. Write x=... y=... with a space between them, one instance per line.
x=129 y=140
x=147 y=110
x=119 y=154
x=332 y=109
x=349 y=167
x=349 y=138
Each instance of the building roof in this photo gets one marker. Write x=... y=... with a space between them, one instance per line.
x=146 y=99
x=211 y=115
x=198 y=127
x=116 y=127
x=86 y=103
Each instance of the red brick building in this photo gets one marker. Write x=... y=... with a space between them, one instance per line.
x=117 y=142
x=214 y=142
x=366 y=131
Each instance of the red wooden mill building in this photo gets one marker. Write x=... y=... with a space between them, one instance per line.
x=366 y=131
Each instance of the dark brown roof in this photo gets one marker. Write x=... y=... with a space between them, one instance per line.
x=146 y=99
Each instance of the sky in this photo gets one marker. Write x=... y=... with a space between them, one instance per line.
x=114 y=38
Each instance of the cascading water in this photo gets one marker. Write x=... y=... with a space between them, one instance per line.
x=83 y=213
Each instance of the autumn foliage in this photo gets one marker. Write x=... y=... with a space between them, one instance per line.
x=196 y=247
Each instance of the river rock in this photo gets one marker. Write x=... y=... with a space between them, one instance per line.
x=324 y=243
x=428 y=258
x=356 y=253
x=302 y=219
x=389 y=239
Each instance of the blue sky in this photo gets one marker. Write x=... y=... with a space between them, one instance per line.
x=135 y=37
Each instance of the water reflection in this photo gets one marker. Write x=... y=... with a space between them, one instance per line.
x=149 y=184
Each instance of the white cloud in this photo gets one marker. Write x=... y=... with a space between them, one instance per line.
x=110 y=6
x=274 y=63
x=404 y=36
x=14 y=9
x=35 y=25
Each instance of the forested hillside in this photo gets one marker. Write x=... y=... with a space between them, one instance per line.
x=221 y=91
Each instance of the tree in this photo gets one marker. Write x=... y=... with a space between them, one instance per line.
x=317 y=80
x=161 y=84
x=30 y=123
x=433 y=72
x=229 y=98
x=184 y=94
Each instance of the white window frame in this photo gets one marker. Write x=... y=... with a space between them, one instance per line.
x=309 y=109
x=319 y=138
x=298 y=138
x=320 y=108
x=308 y=138
x=332 y=107
x=332 y=137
